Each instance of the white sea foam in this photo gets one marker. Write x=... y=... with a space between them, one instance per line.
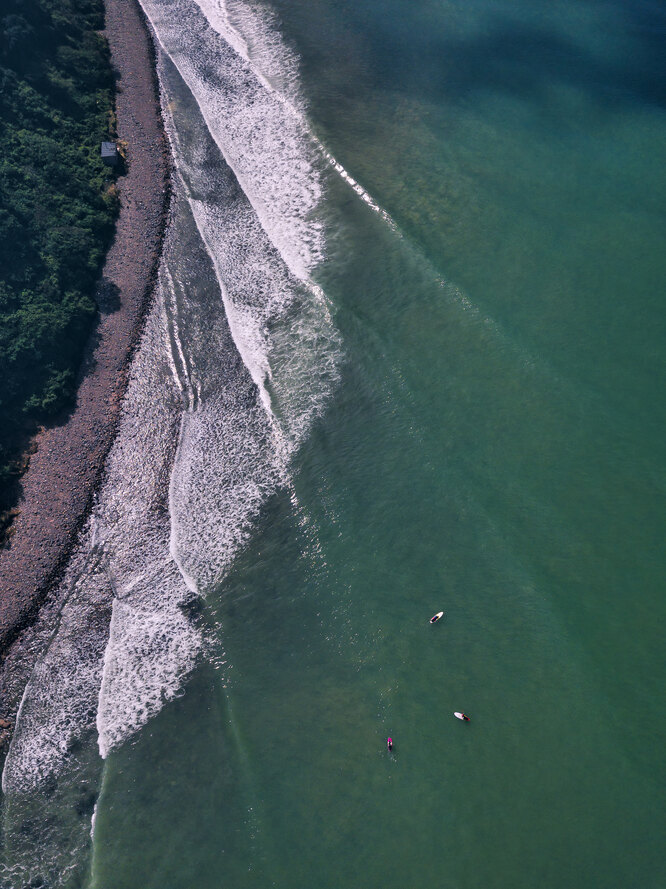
x=259 y=136
x=197 y=452
x=152 y=644
x=59 y=701
x=365 y=196
x=254 y=34
x=255 y=37
x=44 y=827
x=150 y=651
x=238 y=356
x=232 y=448
x=282 y=328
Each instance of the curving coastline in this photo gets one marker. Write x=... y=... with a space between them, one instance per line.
x=58 y=487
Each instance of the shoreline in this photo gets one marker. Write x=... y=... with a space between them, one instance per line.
x=66 y=468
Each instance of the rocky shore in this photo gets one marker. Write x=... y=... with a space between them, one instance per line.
x=59 y=485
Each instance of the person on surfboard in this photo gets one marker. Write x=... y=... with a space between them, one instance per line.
x=389 y=744
x=436 y=617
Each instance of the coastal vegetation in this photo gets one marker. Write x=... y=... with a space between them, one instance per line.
x=57 y=208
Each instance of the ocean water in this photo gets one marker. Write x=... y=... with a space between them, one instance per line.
x=406 y=355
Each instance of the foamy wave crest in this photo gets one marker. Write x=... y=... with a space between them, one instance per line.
x=259 y=135
x=226 y=462
x=282 y=328
x=123 y=644
x=357 y=187
x=150 y=652
x=239 y=354
x=152 y=643
x=60 y=700
x=256 y=38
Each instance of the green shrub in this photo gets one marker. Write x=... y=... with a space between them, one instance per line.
x=57 y=206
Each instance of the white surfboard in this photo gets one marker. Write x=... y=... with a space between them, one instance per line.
x=436 y=617
x=460 y=716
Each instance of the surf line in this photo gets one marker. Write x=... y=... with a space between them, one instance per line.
x=360 y=191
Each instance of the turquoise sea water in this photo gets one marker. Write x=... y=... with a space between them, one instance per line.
x=493 y=447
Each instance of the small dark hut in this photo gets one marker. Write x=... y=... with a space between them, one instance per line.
x=109 y=153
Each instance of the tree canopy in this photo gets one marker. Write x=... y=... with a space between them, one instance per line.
x=57 y=206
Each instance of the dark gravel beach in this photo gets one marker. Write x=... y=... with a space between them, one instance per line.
x=58 y=486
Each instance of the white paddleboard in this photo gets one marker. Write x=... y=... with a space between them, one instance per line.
x=460 y=716
x=436 y=617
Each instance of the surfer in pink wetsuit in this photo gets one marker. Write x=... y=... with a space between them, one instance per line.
x=389 y=744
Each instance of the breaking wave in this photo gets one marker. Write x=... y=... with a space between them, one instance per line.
x=239 y=355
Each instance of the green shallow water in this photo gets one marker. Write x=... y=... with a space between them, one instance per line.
x=494 y=449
